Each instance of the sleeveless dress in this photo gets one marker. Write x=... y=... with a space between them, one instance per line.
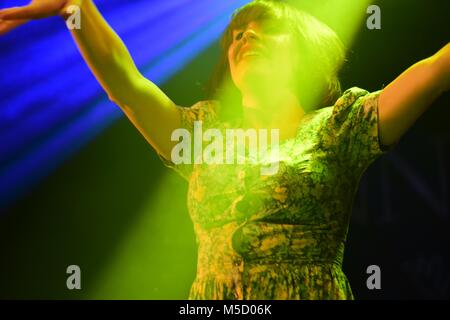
x=281 y=236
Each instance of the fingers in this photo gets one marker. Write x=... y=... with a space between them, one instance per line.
x=35 y=10
x=6 y=26
x=16 y=13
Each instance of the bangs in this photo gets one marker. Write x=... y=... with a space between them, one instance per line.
x=257 y=11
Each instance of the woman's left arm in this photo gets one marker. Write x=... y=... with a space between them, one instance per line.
x=405 y=99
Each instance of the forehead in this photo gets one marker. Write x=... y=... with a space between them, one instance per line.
x=252 y=24
x=256 y=14
x=262 y=12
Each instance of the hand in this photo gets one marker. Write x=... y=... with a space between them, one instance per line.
x=11 y=18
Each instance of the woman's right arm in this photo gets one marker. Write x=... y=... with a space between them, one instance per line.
x=148 y=108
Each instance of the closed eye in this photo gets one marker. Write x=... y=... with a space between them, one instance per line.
x=239 y=35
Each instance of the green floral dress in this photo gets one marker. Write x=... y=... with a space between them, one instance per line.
x=281 y=236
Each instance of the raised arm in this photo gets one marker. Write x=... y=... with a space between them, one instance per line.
x=406 y=98
x=149 y=109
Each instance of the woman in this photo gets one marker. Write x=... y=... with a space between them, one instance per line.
x=277 y=236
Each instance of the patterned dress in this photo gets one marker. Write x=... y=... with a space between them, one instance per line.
x=281 y=236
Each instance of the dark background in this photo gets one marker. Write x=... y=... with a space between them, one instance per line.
x=401 y=214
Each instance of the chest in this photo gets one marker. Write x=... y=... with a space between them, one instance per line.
x=301 y=183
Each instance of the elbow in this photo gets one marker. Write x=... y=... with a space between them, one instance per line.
x=124 y=88
x=120 y=102
x=118 y=90
x=113 y=98
x=117 y=99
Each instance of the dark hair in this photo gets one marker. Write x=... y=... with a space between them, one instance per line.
x=321 y=51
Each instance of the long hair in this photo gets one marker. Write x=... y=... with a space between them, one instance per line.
x=320 y=50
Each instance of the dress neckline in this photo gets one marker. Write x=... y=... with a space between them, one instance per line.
x=236 y=123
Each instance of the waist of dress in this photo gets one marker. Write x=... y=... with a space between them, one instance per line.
x=298 y=261
x=264 y=242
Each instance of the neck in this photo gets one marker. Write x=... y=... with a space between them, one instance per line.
x=273 y=109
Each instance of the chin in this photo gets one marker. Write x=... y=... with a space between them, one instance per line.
x=254 y=75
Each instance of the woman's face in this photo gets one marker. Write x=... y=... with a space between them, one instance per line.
x=262 y=54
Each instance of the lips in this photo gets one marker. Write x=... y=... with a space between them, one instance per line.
x=249 y=51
